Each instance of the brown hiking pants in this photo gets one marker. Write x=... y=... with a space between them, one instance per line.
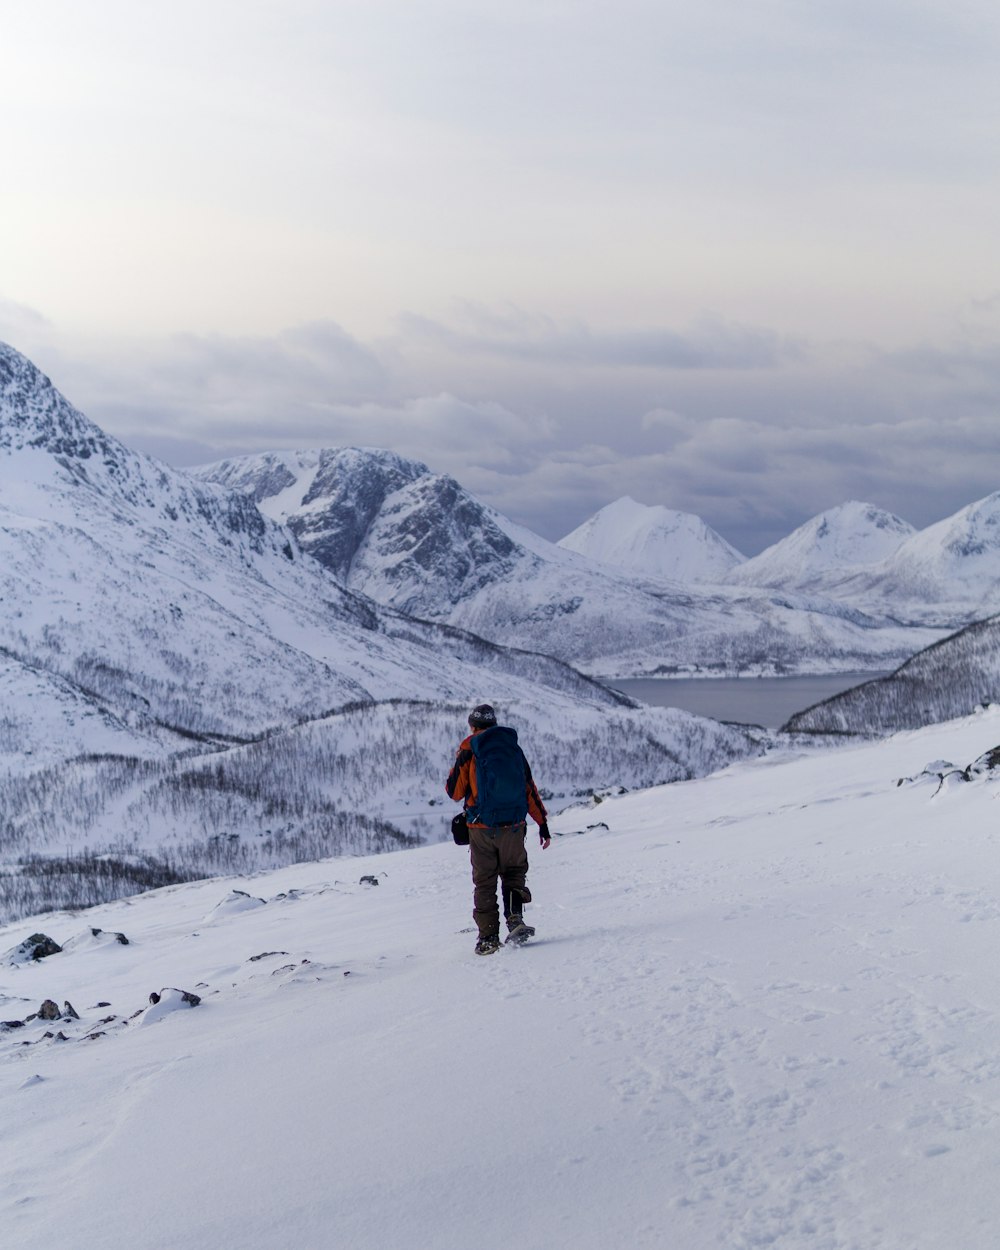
x=496 y=853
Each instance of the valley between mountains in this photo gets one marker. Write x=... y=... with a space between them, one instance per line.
x=270 y=659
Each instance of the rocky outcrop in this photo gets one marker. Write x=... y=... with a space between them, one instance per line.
x=38 y=946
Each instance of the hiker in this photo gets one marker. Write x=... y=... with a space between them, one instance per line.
x=491 y=774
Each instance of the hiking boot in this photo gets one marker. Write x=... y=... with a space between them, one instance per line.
x=518 y=931
x=488 y=943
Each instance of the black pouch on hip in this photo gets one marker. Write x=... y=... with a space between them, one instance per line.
x=460 y=830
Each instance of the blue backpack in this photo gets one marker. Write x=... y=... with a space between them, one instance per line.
x=501 y=779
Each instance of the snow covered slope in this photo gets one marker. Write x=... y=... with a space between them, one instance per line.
x=428 y=548
x=653 y=542
x=761 y=1010
x=836 y=541
x=949 y=679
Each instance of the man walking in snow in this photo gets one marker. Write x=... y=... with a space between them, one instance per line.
x=493 y=777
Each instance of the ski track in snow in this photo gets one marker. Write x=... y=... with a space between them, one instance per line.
x=761 y=1011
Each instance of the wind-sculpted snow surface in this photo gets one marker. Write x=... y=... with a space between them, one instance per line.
x=949 y=679
x=430 y=549
x=760 y=1010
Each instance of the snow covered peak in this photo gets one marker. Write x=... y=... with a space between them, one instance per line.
x=653 y=541
x=33 y=414
x=839 y=540
x=282 y=482
x=382 y=524
x=58 y=466
x=957 y=559
x=973 y=531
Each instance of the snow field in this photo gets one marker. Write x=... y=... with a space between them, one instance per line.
x=761 y=1010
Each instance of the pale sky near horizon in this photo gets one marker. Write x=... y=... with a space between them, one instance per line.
x=735 y=258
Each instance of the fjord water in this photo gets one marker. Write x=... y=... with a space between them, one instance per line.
x=767 y=701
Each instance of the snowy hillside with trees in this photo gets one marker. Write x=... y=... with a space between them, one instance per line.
x=949 y=679
x=760 y=1010
x=366 y=779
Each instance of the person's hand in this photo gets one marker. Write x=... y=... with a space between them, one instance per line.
x=543 y=835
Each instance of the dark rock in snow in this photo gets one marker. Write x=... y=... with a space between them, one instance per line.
x=49 y=1010
x=986 y=766
x=39 y=946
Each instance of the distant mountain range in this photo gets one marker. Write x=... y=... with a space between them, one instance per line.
x=180 y=606
x=418 y=542
x=945 y=575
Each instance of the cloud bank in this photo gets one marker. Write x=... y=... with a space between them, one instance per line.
x=550 y=421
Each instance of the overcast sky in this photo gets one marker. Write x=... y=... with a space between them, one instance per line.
x=739 y=258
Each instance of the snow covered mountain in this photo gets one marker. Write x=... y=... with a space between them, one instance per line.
x=949 y=572
x=760 y=1011
x=176 y=601
x=947 y=680
x=654 y=542
x=328 y=499
x=946 y=575
x=828 y=546
x=419 y=542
